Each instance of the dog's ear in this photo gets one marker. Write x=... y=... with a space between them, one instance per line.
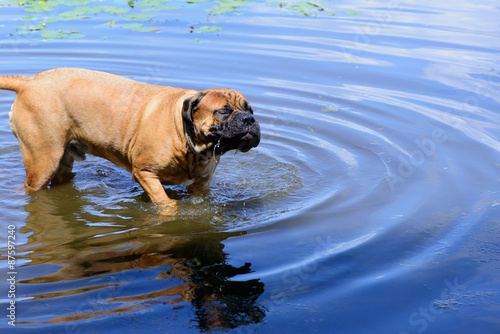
x=189 y=107
x=186 y=112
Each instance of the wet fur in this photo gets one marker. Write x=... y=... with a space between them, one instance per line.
x=161 y=134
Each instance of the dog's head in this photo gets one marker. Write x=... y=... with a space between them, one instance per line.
x=220 y=119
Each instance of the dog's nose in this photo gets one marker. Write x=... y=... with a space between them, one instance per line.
x=248 y=119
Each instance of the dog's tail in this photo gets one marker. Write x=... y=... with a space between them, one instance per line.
x=12 y=82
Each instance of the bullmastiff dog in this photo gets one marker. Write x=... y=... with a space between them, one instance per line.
x=162 y=135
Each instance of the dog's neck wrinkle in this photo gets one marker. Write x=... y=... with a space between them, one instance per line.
x=188 y=135
x=195 y=158
x=197 y=165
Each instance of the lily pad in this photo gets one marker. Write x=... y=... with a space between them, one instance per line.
x=151 y=2
x=145 y=29
x=76 y=13
x=52 y=34
x=307 y=7
x=33 y=27
x=30 y=17
x=157 y=9
x=208 y=29
x=56 y=19
x=130 y=26
x=68 y=3
x=24 y=32
x=329 y=109
x=111 y=9
x=280 y=4
x=38 y=8
x=234 y=4
x=140 y=17
x=69 y=31
x=220 y=10
x=227 y=6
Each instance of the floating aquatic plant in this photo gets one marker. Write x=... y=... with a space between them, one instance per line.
x=43 y=13
x=130 y=26
x=227 y=6
x=61 y=34
x=310 y=8
x=77 y=13
x=162 y=8
x=33 y=27
x=206 y=29
x=140 y=17
x=306 y=8
x=151 y=2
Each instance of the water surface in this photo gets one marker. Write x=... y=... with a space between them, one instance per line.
x=372 y=204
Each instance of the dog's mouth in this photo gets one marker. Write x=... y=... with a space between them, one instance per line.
x=242 y=142
x=236 y=135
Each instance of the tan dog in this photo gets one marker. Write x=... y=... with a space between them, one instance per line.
x=163 y=135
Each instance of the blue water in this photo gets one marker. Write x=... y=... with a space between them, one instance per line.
x=372 y=204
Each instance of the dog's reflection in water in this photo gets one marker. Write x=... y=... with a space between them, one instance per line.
x=193 y=265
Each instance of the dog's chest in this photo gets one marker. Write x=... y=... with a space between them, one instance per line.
x=195 y=167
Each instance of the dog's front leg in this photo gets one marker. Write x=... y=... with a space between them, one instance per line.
x=151 y=184
x=200 y=187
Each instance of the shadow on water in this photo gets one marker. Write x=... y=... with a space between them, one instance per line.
x=102 y=264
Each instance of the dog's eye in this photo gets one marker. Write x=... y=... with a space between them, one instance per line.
x=223 y=111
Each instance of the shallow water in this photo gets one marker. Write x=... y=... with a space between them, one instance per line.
x=372 y=204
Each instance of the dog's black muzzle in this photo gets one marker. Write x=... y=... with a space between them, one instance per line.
x=241 y=131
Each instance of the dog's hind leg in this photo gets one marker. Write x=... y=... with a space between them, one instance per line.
x=42 y=147
x=41 y=166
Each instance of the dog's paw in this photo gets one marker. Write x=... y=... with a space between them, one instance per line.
x=167 y=209
x=168 y=212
